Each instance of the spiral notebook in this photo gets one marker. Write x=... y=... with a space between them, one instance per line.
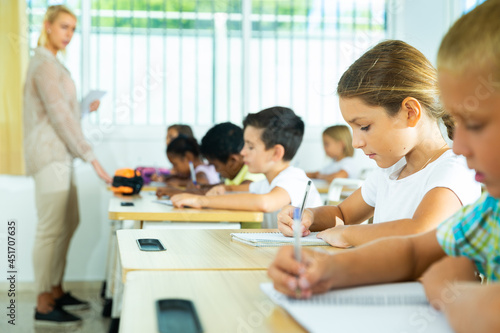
x=393 y=307
x=262 y=239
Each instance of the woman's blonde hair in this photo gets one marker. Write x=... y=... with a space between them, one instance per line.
x=343 y=134
x=50 y=16
x=474 y=41
x=390 y=72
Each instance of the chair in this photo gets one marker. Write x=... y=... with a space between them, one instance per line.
x=342 y=188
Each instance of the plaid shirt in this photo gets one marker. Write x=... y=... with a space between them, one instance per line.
x=474 y=232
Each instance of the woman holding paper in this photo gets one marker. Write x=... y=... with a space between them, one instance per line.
x=53 y=138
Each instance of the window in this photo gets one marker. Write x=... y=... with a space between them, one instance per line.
x=203 y=62
x=469 y=5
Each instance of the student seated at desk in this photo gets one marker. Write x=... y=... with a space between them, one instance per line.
x=390 y=98
x=272 y=137
x=221 y=146
x=180 y=152
x=337 y=143
x=173 y=131
x=469 y=72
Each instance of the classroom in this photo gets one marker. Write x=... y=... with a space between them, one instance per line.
x=249 y=165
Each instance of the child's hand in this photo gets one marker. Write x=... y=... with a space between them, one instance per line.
x=187 y=200
x=166 y=191
x=312 y=276
x=334 y=236
x=192 y=186
x=216 y=190
x=439 y=280
x=313 y=175
x=285 y=221
x=157 y=178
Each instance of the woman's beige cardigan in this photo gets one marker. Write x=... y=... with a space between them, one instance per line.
x=52 y=128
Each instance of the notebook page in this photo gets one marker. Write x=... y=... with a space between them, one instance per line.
x=397 y=307
x=167 y=202
x=275 y=239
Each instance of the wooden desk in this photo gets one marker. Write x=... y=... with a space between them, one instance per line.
x=191 y=250
x=194 y=250
x=225 y=301
x=145 y=209
x=188 y=250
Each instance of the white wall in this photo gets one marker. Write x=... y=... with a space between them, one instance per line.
x=420 y=23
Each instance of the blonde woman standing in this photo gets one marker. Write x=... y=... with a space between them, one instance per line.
x=53 y=138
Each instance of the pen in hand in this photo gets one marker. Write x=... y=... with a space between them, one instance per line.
x=193 y=173
x=296 y=245
x=297 y=230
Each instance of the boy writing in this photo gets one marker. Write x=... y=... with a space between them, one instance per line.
x=469 y=79
x=272 y=137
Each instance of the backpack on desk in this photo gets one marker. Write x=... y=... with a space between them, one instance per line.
x=127 y=181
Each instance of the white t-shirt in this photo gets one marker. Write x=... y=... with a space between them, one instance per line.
x=395 y=199
x=294 y=181
x=210 y=172
x=348 y=164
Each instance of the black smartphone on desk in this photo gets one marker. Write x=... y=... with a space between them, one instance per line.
x=177 y=316
x=126 y=203
x=150 y=244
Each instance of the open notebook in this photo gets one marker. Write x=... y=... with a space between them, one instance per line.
x=386 y=308
x=275 y=239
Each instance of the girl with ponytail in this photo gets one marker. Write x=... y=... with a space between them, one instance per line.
x=390 y=98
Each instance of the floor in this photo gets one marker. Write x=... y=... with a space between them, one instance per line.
x=93 y=322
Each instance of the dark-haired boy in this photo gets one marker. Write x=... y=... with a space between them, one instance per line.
x=272 y=137
x=221 y=146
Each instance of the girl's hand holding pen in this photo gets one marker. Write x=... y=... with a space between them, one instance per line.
x=285 y=221
x=312 y=276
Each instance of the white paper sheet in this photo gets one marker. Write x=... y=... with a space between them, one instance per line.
x=275 y=239
x=167 y=202
x=93 y=95
x=386 y=308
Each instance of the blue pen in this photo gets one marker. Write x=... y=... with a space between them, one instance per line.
x=296 y=233
x=193 y=173
x=296 y=244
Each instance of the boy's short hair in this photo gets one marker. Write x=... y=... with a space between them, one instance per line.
x=474 y=41
x=182 y=129
x=183 y=144
x=281 y=127
x=221 y=141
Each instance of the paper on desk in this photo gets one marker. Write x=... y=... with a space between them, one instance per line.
x=93 y=95
x=164 y=202
x=394 y=307
x=275 y=239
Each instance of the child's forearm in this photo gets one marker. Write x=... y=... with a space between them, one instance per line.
x=361 y=234
x=332 y=176
x=324 y=217
x=475 y=308
x=238 y=188
x=387 y=260
x=239 y=201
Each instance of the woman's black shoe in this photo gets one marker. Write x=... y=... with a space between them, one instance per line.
x=58 y=316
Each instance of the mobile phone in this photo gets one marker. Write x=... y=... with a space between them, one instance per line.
x=124 y=203
x=150 y=244
x=177 y=316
